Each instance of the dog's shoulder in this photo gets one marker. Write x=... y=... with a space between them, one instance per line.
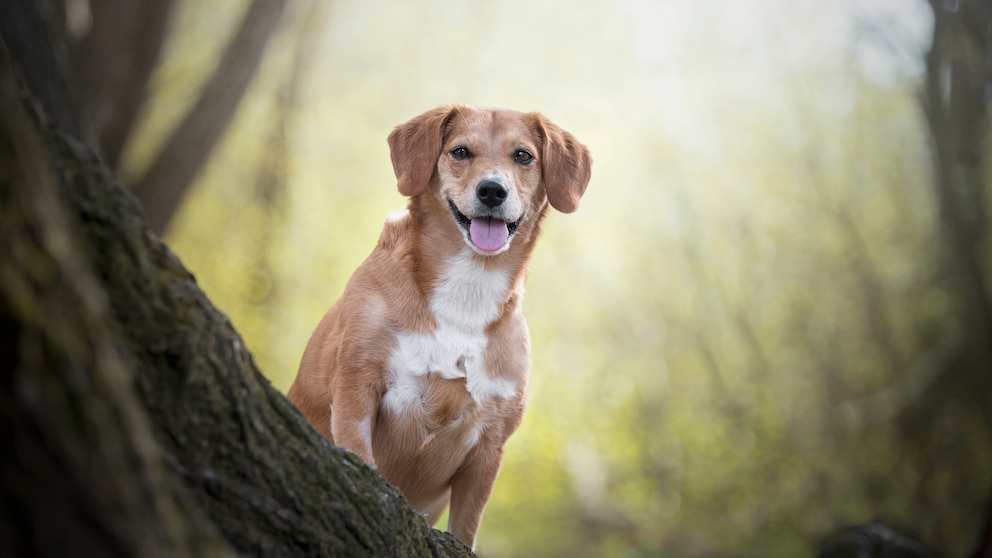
x=394 y=230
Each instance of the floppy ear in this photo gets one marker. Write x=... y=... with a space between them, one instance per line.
x=414 y=148
x=566 y=166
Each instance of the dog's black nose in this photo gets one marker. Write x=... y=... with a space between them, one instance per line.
x=491 y=193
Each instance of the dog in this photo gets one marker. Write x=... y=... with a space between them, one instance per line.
x=421 y=368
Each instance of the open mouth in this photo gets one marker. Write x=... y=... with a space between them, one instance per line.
x=488 y=234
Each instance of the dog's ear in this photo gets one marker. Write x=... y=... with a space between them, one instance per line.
x=565 y=164
x=415 y=146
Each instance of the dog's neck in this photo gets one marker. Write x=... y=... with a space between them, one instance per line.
x=459 y=284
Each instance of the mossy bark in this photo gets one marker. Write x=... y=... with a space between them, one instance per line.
x=81 y=473
x=132 y=418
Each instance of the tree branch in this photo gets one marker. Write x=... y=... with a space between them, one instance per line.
x=164 y=184
x=112 y=66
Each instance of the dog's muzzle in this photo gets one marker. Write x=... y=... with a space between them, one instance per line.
x=486 y=233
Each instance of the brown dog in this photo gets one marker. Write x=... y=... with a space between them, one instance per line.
x=421 y=368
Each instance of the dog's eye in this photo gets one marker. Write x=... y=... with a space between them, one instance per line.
x=522 y=156
x=461 y=153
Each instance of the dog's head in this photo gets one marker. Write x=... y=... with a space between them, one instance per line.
x=494 y=169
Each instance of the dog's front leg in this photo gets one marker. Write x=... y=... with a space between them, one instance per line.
x=470 y=490
x=353 y=415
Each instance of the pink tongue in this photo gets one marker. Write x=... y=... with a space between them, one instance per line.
x=488 y=234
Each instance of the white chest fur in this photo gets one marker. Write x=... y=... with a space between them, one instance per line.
x=466 y=299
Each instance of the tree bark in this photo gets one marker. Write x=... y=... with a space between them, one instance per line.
x=164 y=184
x=132 y=418
x=79 y=476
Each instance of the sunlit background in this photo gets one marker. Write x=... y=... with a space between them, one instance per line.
x=739 y=339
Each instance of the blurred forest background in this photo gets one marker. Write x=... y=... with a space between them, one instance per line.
x=768 y=320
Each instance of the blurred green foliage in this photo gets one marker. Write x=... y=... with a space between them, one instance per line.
x=735 y=337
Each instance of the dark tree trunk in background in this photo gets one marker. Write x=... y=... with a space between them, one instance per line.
x=959 y=75
x=25 y=30
x=132 y=419
x=112 y=53
x=111 y=64
x=166 y=181
x=958 y=83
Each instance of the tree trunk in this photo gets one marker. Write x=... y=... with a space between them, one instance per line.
x=112 y=64
x=25 y=28
x=164 y=184
x=79 y=474
x=958 y=81
x=956 y=86
x=132 y=418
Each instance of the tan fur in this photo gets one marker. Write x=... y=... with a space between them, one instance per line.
x=427 y=449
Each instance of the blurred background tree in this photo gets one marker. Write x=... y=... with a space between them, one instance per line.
x=770 y=318
x=114 y=46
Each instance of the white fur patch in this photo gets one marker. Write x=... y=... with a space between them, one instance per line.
x=483 y=387
x=474 y=436
x=365 y=428
x=467 y=296
x=397 y=216
x=466 y=299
